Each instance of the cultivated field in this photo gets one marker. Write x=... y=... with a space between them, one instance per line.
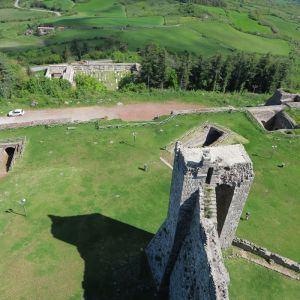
x=90 y=210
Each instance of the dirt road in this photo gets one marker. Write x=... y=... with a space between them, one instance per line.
x=129 y=112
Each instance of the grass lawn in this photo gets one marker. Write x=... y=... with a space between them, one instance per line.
x=273 y=285
x=90 y=209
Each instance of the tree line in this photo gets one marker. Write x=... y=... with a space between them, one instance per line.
x=235 y=72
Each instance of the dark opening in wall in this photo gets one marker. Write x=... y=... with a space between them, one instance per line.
x=212 y=136
x=10 y=152
x=224 y=195
x=279 y=121
x=209 y=175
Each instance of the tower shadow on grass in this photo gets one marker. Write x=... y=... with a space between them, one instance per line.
x=115 y=265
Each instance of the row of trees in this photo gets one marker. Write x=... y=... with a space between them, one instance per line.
x=218 y=3
x=235 y=72
x=10 y=76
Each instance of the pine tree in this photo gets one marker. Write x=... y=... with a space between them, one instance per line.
x=184 y=71
x=66 y=53
x=154 y=66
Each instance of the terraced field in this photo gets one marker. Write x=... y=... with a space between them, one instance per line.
x=213 y=30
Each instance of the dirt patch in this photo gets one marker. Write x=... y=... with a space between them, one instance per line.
x=147 y=111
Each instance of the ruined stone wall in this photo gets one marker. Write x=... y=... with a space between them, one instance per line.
x=161 y=246
x=266 y=254
x=185 y=255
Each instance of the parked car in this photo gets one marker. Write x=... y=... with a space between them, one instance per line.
x=16 y=113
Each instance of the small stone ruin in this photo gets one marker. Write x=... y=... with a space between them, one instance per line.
x=9 y=152
x=208 y=192
x=207 y=135
x=105 y=71
x=273 y=119
x=281 y=97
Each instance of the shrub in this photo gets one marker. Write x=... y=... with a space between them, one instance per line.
x=58 y=88
x=88 y=83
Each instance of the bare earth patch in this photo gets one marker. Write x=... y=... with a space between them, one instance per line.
x=129 y=112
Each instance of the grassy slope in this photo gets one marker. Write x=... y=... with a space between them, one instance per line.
x=235 y=39
x=242 y=21
x=13 y=14
x=295 y=114
x=290 y=29
x=102 y=176
x=198 y=37
x=63 y=5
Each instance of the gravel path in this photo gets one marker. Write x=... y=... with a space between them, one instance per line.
x=129 y=112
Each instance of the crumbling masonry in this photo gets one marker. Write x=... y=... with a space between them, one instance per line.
x=208 y=192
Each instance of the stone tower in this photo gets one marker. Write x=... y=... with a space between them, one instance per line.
x=208 y=192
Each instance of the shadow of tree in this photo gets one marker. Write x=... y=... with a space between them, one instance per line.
x=115 y=264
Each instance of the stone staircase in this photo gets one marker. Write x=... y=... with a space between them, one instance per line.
x=210 y=206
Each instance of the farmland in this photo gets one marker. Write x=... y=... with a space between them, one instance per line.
x=219 y=29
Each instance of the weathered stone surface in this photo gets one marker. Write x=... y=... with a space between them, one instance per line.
x=273 y=118
x=208 y=192
x=268 y=255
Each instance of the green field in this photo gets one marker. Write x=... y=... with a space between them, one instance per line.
x=12 y=14
x=230 y=37
x=111 y=21
x=207 y=31
x=91 y=210
x=244 y=23
x=289 y=29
